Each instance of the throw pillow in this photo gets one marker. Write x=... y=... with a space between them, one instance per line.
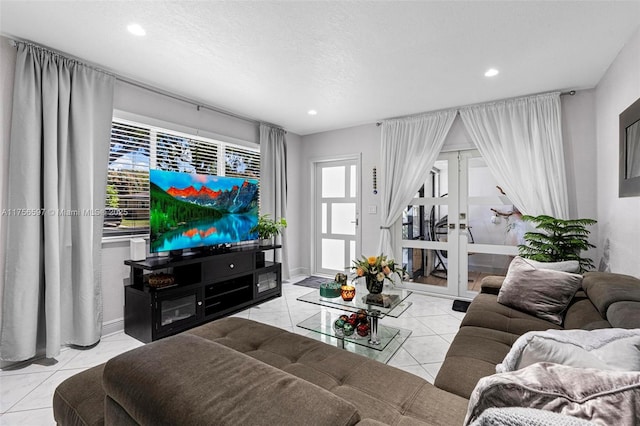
x=605 y=397
x=564 y=266
x=606 y=349
x=544 y=293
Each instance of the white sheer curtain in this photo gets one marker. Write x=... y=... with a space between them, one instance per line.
x=58 y=156
x=410 y=147
x=273 y=184
x=521 y=141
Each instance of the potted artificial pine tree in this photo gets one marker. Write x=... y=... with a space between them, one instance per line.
x=557 y=240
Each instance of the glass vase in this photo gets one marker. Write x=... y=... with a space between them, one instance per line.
x=374 y=286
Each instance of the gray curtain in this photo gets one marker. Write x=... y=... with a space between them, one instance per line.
x=58 y=158
x=273 y=184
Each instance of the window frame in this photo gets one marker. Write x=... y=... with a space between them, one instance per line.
x=155 y=126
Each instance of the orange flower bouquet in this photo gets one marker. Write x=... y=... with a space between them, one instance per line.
x=376 y=269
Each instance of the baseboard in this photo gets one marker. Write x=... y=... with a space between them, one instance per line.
x=299 y=271
x=113 y=326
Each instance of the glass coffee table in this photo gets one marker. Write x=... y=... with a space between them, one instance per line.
x=382 y=342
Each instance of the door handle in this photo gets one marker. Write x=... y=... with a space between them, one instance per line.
x=355 y=221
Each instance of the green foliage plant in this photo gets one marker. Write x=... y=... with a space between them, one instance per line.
x=269 y=228
x=557 y=240
x=113 y=200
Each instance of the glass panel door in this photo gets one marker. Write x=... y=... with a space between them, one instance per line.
x=494 y=226
x=428 y=240
x=459 y=228
x=336 y=215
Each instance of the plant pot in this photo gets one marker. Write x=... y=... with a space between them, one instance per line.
x=266 y=242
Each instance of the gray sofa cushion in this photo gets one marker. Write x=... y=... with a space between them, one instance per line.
x=624 y=314
x=486 y=312
x=79 y=400
x=604 y=289
x=572 y=266
x=473 y=354
x=582 y=314
x=380 y=392
x=544 y=293
x=189 y=380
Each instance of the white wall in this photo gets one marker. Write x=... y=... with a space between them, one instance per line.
x=7 y=69
x=619 y=218
x=579 y=136
x=580 y=158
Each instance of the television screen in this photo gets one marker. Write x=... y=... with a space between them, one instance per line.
x=194 y=210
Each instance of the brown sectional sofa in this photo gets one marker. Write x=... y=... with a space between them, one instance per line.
x=236 y=371
x=489 y=329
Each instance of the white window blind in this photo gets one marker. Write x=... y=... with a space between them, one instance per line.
x=241 y=162
x=137 y=147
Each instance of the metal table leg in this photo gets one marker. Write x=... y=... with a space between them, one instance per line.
x=374 y=314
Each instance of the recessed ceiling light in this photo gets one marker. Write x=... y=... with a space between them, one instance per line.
x=491 y=72
x=312 y=112
x=136 y=29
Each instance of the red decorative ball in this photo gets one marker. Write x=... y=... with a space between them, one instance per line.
x=363 y=329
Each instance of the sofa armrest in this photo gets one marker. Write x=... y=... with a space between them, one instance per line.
x=188 y=380
x=491 y=284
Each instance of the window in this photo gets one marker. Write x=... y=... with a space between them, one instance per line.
x=137 y=147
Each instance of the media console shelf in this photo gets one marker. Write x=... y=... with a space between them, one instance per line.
x=206 y=287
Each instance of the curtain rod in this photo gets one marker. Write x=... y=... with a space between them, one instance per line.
x=199 y=105
x=379 y=123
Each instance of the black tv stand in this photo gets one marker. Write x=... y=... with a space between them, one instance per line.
x=201 y=287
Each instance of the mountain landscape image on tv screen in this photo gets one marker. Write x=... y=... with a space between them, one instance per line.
x=195 y=210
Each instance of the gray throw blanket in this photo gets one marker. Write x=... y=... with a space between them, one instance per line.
x=519 y=416
x=601 y=344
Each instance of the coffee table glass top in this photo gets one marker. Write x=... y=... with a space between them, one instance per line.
x=396 y=298
x=389 y=338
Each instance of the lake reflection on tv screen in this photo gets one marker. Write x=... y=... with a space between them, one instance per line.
x=230 y=228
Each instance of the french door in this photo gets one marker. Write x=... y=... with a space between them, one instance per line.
x=459 y=228
x=336 y=214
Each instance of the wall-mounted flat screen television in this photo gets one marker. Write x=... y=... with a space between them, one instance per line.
x=194 y=210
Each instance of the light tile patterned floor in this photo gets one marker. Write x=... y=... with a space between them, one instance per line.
x=26 y=392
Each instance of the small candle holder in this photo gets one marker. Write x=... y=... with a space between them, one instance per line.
x=348 y=292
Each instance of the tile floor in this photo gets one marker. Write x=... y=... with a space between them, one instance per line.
x=26 y=392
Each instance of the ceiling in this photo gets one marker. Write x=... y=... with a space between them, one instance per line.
x=353 y=62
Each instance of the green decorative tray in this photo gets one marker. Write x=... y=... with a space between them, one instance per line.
x=330 y=289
